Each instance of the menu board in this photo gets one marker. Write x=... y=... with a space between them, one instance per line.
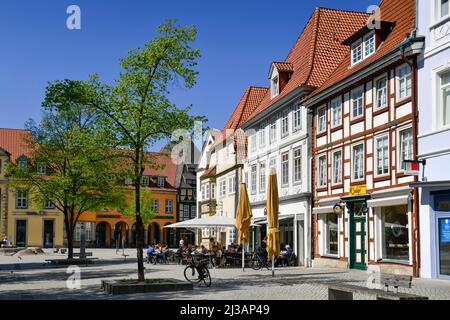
x=445 y=230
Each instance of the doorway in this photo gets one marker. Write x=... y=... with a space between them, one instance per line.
x=21 y=233
x=443 y=257
x=49 y=233
x=358 y=216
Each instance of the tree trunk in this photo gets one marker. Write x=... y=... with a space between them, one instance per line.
x=139 y=223
x=69 y=234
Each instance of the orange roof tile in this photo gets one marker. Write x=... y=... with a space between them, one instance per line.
x=169 y=170
x=209 y=172
x=318 y=50
x=403 y=14
x=12 y=141
x=284 y=66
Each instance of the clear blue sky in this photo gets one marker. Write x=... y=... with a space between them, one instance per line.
x=238 y=40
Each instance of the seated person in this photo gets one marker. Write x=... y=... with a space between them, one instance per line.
x=203 y=250
x=150 y=253
x=288 y=251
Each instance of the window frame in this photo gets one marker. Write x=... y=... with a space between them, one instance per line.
x=49 y=204
x=285 y=165
x=439 y=16
x=232 y=185
x=375 y=158
x=155 y=203
x=441 y=102
x=352 y=100
x=262 y=135
x=284 y=123
x=24 y=199
x=262 y=177
x=397 y=82
x=275 y=86
x=327 y=235
x=333 y=109
x=367 y=36
x=273 y=131
x=353 y=162
x=169 y=201
x=295 y=158
x=223 y=187
x=39 y=169
x=253 y=179
x=333 y=182
x=400 y=167
x=163 y=180
x=320 y=118
x=253 y=142
x=376 y=92
x=296 y=111
x=356 y=45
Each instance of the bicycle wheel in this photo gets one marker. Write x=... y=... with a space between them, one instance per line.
x=255 y=263
x=191 y=274
x=206 y=277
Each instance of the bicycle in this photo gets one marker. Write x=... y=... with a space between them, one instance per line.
x=197 y=271
x=259 y=261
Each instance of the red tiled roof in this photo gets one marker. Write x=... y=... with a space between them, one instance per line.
x=403 y=14
x=169 y=169
x=249 y=101
x=209 y=171
x=284 y=66
x=12 y=141
x=318 y=50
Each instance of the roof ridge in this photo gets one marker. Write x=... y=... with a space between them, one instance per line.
x=313 y=46
x=342 y=10
x=15 y=129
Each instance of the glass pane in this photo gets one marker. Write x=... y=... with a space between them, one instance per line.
x=444 y=246
x=396 y=233
x=444 y=8
x=332 y=224
x=446 y=105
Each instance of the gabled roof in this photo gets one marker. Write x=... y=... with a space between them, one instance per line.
x=318 y=50
x=169 y=170
x=12 y=141
x=403 y=14
x=209 y=172
x=283 y=66
x=249 y=101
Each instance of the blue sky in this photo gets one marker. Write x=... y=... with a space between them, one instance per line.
x=238 y=40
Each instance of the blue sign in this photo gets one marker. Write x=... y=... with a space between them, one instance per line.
x=445 y=231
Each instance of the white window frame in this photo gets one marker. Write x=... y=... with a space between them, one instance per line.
x=333 y=168
x=321 y=118
x=273 y=131
x=378 y=91
x=440 y=99
x=398 y=79
x=375 y=165
x=253 y=179
x=399 y=148
x=169 y=206
x=438 y=7
x=145 y=180
x=336 y=106
x=22 y=199
x=353 y=162
x=275 y=86
x=296 y=117
x=161 y=182
x=253 y=146
x=285 y=169
x=273 y=163
x=213 y=190
x=371 y=36
x=352 y=101
x=262 y=177
x=223 y=188
x=284 y=123
x=326 y=238
x=186 y=212
x=207 y=189
x=232 y=185
x=319 y=167
x=361 y=46
x=262 y=135
x=297 y=156
x=155 y=204
x=357 y=45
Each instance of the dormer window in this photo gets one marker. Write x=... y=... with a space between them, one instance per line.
x=363 y=48
x=161 y=182
x=22 y=163
x=275 y=86
x=145 y=181
x=41 y=169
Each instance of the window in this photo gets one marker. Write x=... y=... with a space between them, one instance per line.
x=262 y=136
x=41 y=169
x=22 y=164
x=21 y=199
x=336 y=112
x=382 y=155
x=395 y=231
x=49 y=204
x=357 y=102
x=358 y=162
x=337 y=167
x=403 y=82
x=273 y=131
x=253 y=145
x=213 y=190
x=285 y=168
x=145 y=181
x=406 y=147
x=369 y=45
x=381 y=93
x=169 y=206
x=193 y=212
x=223 y=188
x=284 y=123
x=203 y=192
x=155 y=205
x=322 y=171
x=322 y=120
x=357 y=52
x=262 y=177
x=332 y=232
x=298 y=165
x=445 y=94
x=275 y=86
x=443 y=8
x=161 y=182
x=297 y=118
x=253 y=179
x=232 y=185
x=363 y=48
x=186 y=211
x=128 y=181
x=273 y=163
x=88 y=229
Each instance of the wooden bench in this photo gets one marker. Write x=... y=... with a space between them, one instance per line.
x=347 y=291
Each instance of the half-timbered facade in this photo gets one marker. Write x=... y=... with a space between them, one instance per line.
x=364 y=127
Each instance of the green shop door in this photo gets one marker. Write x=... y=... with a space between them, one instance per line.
x=357 y=222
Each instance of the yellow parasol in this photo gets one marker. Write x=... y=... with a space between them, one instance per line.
x=272 y=206
x=243 y=218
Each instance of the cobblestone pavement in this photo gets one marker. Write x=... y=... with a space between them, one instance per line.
x=28 y=277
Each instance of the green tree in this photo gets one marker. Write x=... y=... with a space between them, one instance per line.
x=79 y=175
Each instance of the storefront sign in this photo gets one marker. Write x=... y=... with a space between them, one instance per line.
x=41 y=213
x=412 y=168
x=358 y=190
x=445 y=230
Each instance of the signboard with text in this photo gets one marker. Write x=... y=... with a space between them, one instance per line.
x=358 y=190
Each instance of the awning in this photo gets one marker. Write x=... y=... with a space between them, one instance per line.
x=324 y=209
x=263 y=220
x=204 y=223
x=388 y=202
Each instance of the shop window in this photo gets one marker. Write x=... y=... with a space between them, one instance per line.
x=395 y=233
x=332 y=234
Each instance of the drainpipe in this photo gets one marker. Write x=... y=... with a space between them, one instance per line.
x=416 y=229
